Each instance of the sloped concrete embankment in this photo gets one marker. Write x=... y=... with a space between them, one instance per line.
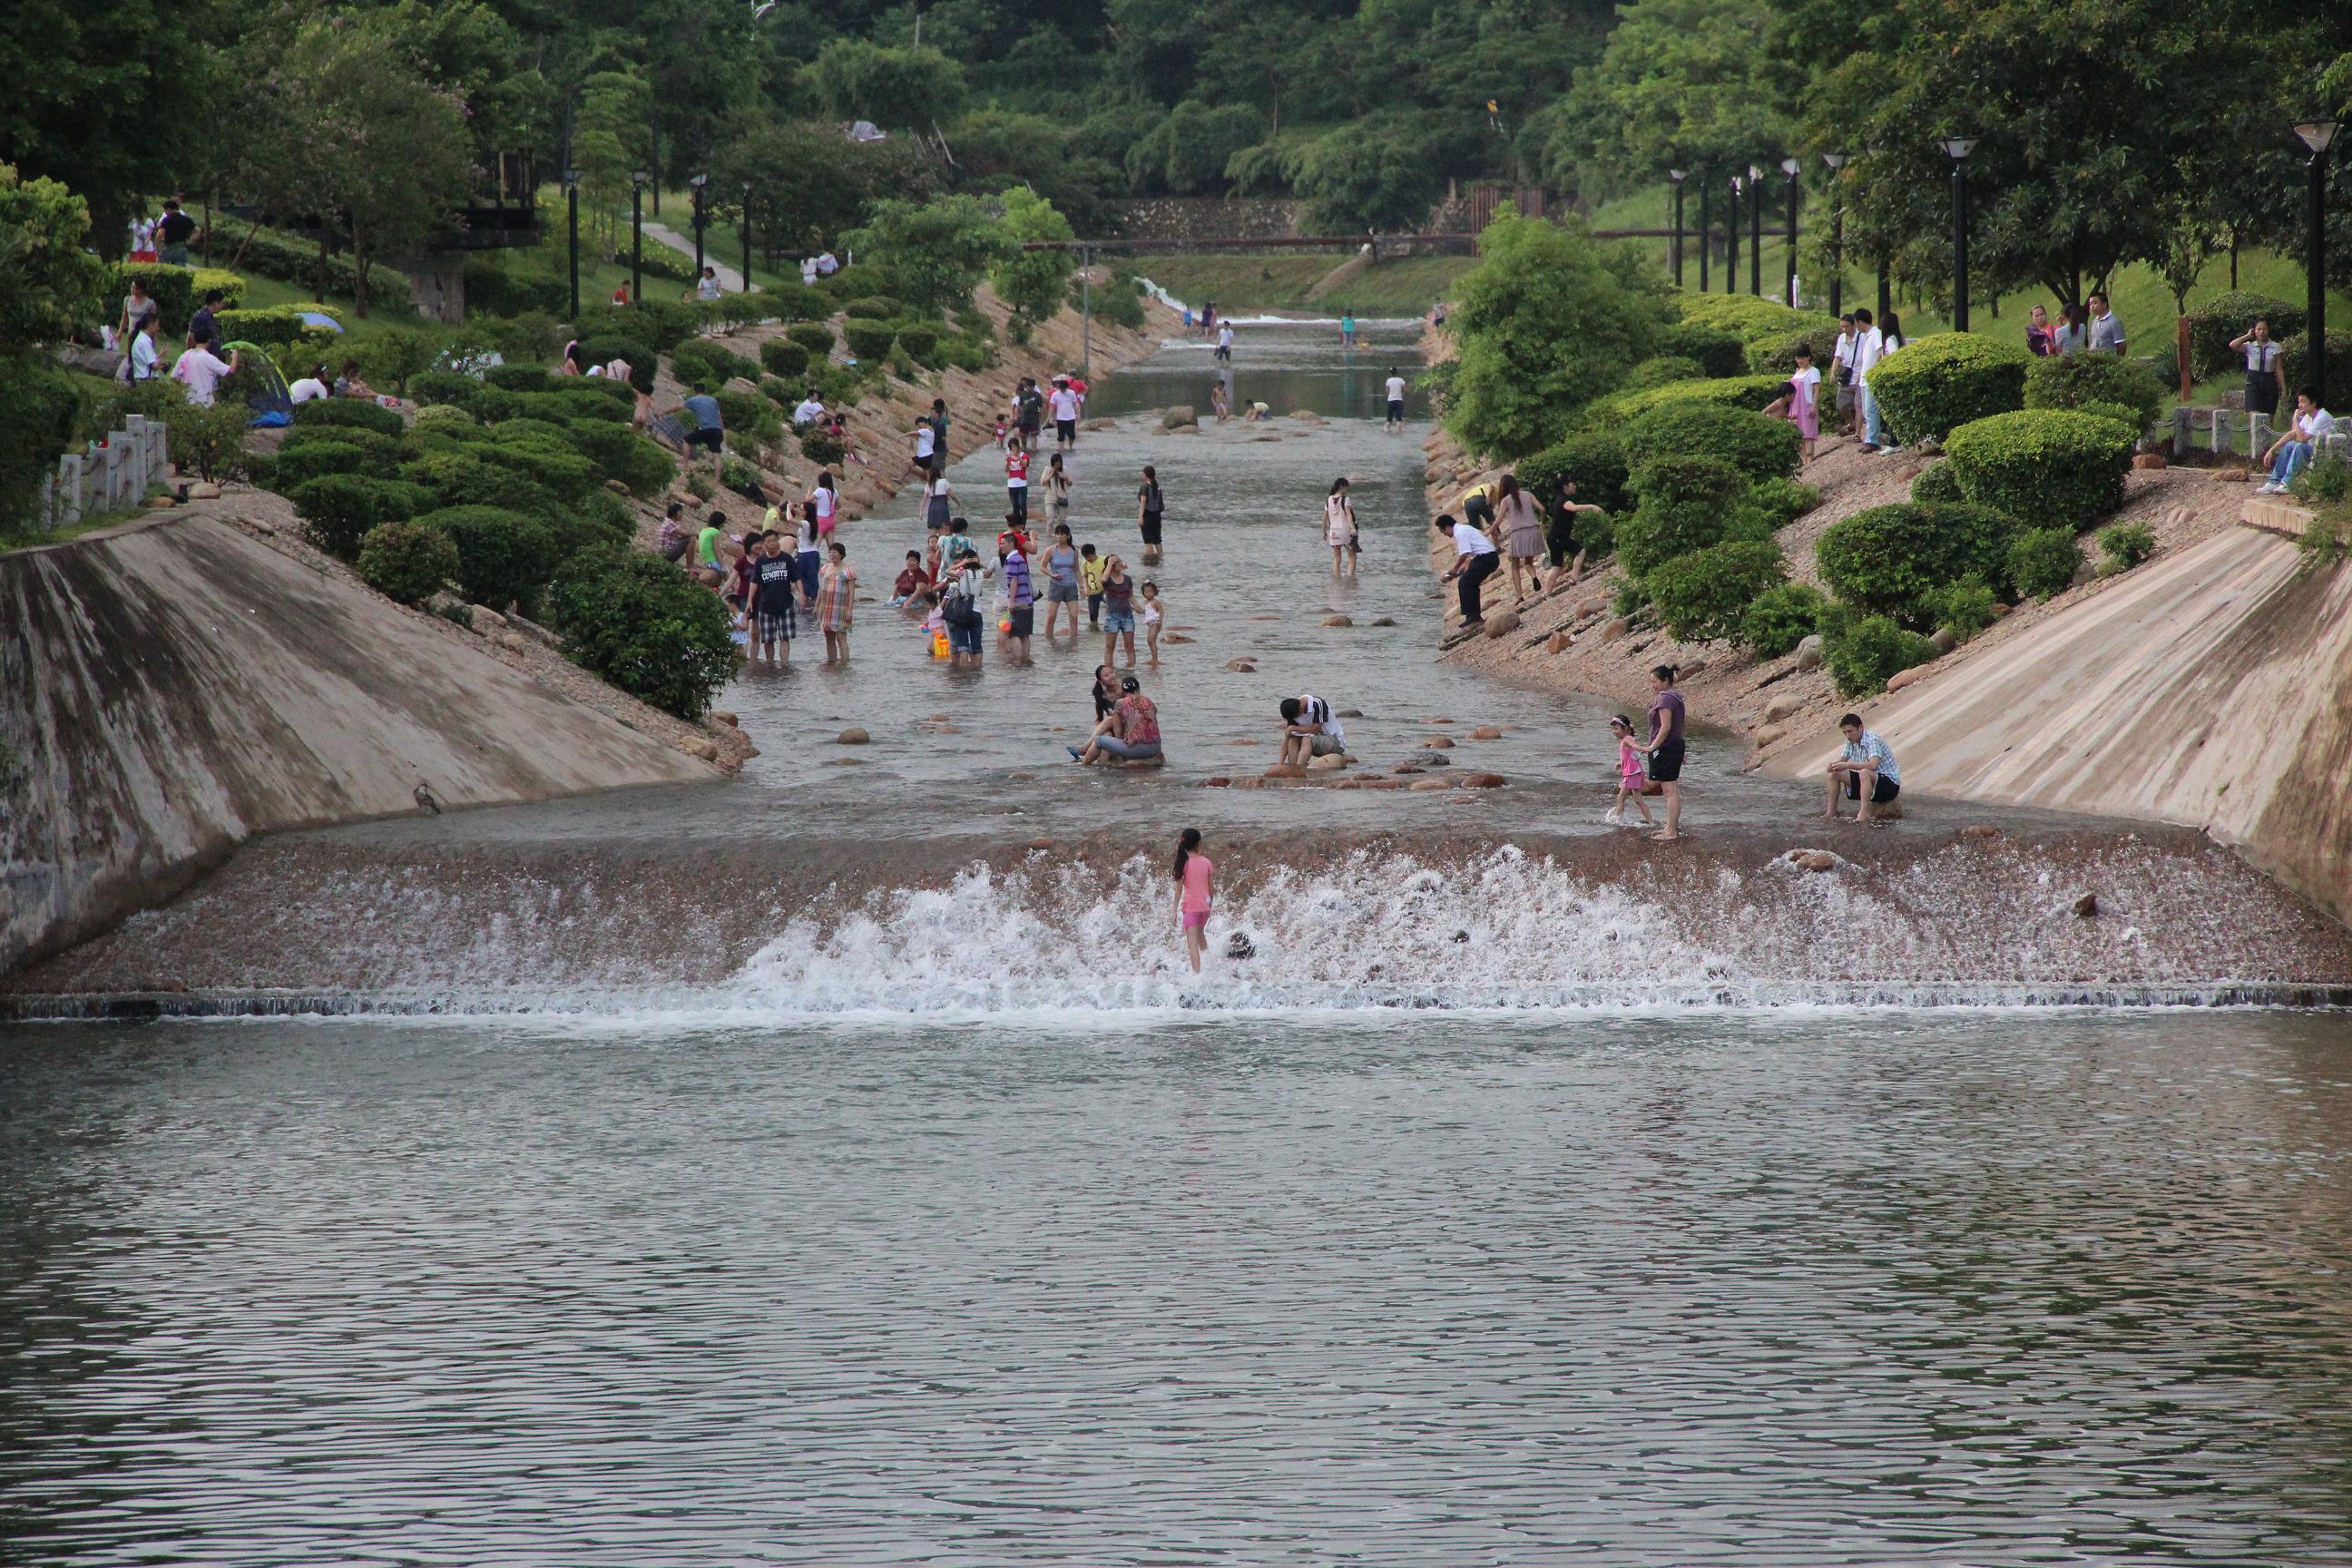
x=2212 y=688
x=168 y=690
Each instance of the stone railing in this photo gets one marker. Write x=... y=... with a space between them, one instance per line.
x=110 y=476
x=2237 y=431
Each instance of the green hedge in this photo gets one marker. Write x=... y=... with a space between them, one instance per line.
x=1595 y=460
x=2043 y=562
x=1703 y=596
x=503 y=557
x=1779 y=618
x=2212 y=324
x=620 y=453
x=1894 y=560
x=1783 y=501
x=472 y=478
x=2077 y=381
x=407 y=561
x=875 y=308
x=784 y=357
x=814 y=336
x=869 y=340
x=279 y=327
x=1685 y=504
x=2054 y=466
x=176 y=290
x=706 y=367
x=2297 y=363
x=1759 y=446
x=645 y=627
x=921 y=343
x=354 y=413
x=339 y=509
x=1663 y=370
x=493 y=287
x=522 y=377
x=1718 y=352
x=1749 y=319
x=271 y=254
x=1750 y=393
x=373 y=444
x=1938 y=485
x=1939 y=383
x=294 y=466
x=788 y=300
x=571 y=400
x=1863 y=653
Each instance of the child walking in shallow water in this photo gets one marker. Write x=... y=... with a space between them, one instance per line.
x=1193 y=872
x=1153 y=612
x=1633 y=775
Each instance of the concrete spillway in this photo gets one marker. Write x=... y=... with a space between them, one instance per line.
x=168 y=690
x=2212 y=689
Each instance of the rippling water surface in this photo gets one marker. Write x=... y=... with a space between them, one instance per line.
x=1312 y=1288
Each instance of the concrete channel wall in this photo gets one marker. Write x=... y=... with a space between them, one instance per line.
x=171 y=689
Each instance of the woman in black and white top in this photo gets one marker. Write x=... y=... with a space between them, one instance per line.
x=2265 y=373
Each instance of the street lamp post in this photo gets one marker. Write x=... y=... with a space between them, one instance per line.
x=637 y=236
x=1755 y=231
x=1957 y=148
x=1788 y=166
x=747 y=237
x=2318 y=134
x=698 y=182
x=572 y=221
x=1706 y=230
x=1678 y=176
x=1836 y=161
x=1731 y=243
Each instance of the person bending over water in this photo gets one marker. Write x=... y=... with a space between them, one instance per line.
x=1192 y=873
x=1309 y=730
x=1130 y=734
x=1474 y=561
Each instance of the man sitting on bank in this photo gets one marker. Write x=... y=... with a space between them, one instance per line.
x=1309 y=730
x=1865 y=772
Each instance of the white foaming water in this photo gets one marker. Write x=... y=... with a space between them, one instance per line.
x=1155 y=291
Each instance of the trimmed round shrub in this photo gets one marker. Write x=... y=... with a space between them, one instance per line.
x=2049 y=465
x=1759 y=446
x=1705 y=595
x=290 y=470
x=1687 y=504
x=640 y=624
x=1783 y=501
x=1750 y=392
x=1964 y=608
x=520 y=377
x=599 y=389
x=1752 y=318
x=338 y=510
x=1780 y=355
x=2043 y=562
x=1891 y=560
x=745 y=412
x=430 y=388
x=1938 y=485
x=921 y=343
x=1663 y=370
x=813 y=335
x=875 y=308
x=1716 y=352
x=349 y=411
x=442 y=417
x=565 y=406
x=1594 y=459
x=541 y=435
x=377 y=447
x=2078 y=380
x=620 y=453
x=2296 y=359
x=868 y=340
x=2212 y=324
x=407 y=561
x=1863 y=653
x=790 y=300
x=706 y=367
x=1939 y=383
x=472 y=478
x=820 y=447
x=1778 y=619
x=503 y=557
x=784 y=357
x=2124 y=545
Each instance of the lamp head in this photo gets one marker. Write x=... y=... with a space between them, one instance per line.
x=1678 y=175
x=571 y=177
x=640 y=179
x=1835 y=161
x=1788 y=167
x=1754 y=173
x=1959 y=147
x=699 y=181
x=2317 y=133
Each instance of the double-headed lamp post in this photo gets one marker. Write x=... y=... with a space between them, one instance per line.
x=698 y=182
x=1788 y=166
x=2317 y=135
x=572 y=221
x=1678 y=176
x=1755 y=231
x=638 y=180
x=1836 y=161
x=1957 y=148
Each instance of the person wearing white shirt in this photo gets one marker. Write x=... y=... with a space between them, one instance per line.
x=2265 y=368
x=706 y=287
x=200 y=370
x=1842 y=373
x=825 y=264
x=1880 y=342
x=1065 y=405
x=1226 y=343
x=810 y=410
x=310 y=388
x=808 y=271
x=1309 y=730
x=1474 y=561
x=2291 y=451
x=144 y=356
x=1396 y=400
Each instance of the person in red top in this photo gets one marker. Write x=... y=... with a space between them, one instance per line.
x=912 y=579
x=621 y=294
x=1016 y=481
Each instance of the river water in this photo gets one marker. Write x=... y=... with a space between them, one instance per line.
x=1471 y=1220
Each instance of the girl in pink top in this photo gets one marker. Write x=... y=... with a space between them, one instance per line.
x=1193 y=872
x=1633 y=775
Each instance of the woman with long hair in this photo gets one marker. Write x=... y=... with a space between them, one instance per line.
x=1521 y=526
x=837 y=602
x=1340 y=527
x=1192 y=897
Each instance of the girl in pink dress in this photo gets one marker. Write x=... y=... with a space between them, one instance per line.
x=1193 y=872
x=1805 y=401
x=1632 y=775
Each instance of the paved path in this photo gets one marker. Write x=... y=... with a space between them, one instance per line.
x=729 y=278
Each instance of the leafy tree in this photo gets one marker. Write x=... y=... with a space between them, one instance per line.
x=853 y=80
x=1033 y=281
x=1187 y=153
x=49 y=285
x=1380 y=173
x=938 y=251
x=1682 y=84
x=1545 y=327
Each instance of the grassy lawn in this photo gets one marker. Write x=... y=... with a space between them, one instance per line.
x=1408 y=286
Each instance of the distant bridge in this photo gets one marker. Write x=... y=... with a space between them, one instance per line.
x=1405 y=242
